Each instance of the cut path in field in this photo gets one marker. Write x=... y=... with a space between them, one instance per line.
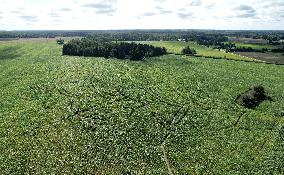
x=203 y=51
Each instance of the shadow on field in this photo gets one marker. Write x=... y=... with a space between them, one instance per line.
x=9 y=53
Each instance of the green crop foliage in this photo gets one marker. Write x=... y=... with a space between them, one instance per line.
x=72 y=115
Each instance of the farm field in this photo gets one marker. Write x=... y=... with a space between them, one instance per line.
x=246 y=40
x=176 y=47
x=256 y=46
x=74 y=115
x=267 y=57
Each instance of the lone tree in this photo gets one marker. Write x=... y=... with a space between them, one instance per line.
x=188 y=51
x=60 y=41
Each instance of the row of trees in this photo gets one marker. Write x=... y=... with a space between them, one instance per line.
x=249 y=49
x=89 y=47
x=278 y=50
x=202 y=37
x=209 y=39
x=44 y=34
x=272 y=36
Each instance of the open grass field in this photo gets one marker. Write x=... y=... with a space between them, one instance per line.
x=72 y=115
x=246 y=40
x=256 y=46
x=203 y=51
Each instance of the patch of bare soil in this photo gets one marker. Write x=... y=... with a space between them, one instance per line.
x=267 y=57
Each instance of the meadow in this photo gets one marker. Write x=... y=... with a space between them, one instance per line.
x=268 y=56
x=73 y=115
x=256 y=46
x=202 y=51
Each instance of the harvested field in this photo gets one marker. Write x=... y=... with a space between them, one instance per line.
x=268 y=57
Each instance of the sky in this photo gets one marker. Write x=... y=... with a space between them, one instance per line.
x=141 y=14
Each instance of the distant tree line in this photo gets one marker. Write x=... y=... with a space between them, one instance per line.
x=90 y=47
x=209 y=39
x=43 y=34
x=278 y=50
x=200 y=36
x=248 y=49
x=270 y=35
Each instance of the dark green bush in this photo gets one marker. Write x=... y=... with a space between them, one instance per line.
x=60 y=41
x=253 y=97
x=188 y=51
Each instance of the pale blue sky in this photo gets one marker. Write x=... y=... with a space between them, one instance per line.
x=138 y=14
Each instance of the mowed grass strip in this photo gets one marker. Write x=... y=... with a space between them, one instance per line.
x=73 y=115
x=202 y=51
x=256 y=46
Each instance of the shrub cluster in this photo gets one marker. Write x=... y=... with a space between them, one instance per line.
x=122 y=50
x=60 y=41
x=253 y=97
x=188 y=51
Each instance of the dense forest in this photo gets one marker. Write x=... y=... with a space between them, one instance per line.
x=90 y=47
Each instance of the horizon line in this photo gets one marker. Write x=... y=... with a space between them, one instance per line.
x=140 y=29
